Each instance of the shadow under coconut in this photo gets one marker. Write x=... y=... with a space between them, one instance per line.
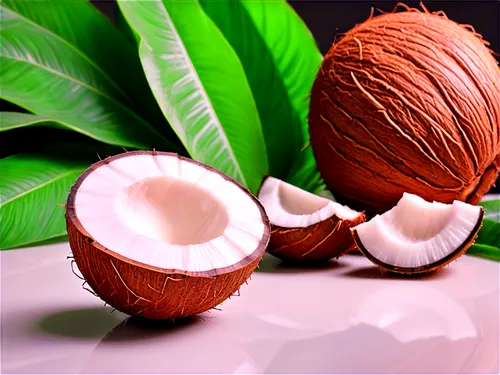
x=84 y=323
x=373 y=272
x=136 y=328
x=185 y=346
x=271 y=264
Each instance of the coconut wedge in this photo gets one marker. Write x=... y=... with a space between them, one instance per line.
x=162 y=236
x=306 y=226
x=417 y=236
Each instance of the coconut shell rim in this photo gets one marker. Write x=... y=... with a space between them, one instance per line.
x=326 y=255
x=73 y=220
x=461 y=250
x=278 y=227
x=310 y=227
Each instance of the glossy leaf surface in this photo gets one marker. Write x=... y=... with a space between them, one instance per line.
x=45 y=71
x=16 y=120
x=83 y=26
x=281 y=59
x=487 y=243
x=31 y=187
x=492 y=209
x=201 y=86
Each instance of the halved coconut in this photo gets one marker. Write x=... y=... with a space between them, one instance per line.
x=162 y=236
x=418 y=236
x=306 y=226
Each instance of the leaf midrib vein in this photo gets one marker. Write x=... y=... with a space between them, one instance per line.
x=200 y=86
x=83 y=84
x=63 y=75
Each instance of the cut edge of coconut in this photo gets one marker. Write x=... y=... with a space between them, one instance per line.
x=417 y=236
x=289 y=206
x=79 y=219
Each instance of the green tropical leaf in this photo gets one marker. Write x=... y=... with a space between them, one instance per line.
x=201 y=86
x=492 y=209
x=16 y=120
x=489 y=233
x=50 y=76
x=485 y=251
x=487 y=244
x=31 y=186
x=84 y=27
x=34 y=185
x=306 y=175
x=281 y=59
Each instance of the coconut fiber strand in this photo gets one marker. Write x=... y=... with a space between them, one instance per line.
x=407 y=101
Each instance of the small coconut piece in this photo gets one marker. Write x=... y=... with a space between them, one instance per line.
x=161 y=236
x=417 y=236
x=306 y=226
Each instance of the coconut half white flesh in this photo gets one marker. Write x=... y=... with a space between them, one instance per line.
x=417 y=233
x=164 y=211
x=288 y=206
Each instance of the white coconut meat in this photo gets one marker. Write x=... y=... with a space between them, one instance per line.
x=291 y=207
x=169 y=213
x=417 y=233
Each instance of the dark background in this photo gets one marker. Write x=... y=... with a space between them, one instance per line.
x=326 y=18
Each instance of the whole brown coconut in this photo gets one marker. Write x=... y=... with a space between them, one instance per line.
x=407 y=102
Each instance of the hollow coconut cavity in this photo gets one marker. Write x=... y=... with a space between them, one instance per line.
x=306 y=226
x=162 y=236
x=418 y=236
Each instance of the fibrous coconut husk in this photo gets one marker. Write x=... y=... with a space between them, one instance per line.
x=147 y=291
x=325 y=240
x=407 y=102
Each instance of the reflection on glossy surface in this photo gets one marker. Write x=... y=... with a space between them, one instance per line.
x=413 y=312
x=366 y=349
x=137 y=329
x=342 y=317
x=192 y=346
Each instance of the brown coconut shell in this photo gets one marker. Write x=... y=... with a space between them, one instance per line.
x=325 y=240
x=407 y=102
x=155 y=293
x=429 y=267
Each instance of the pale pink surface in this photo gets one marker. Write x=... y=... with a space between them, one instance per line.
x=345 y=318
